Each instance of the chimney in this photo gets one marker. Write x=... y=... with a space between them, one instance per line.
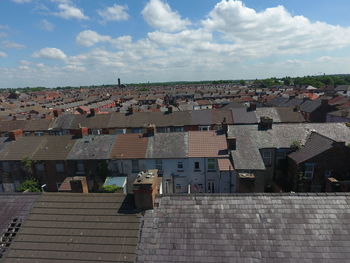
x=81 y=132
x=118 y=82
x=231 y=143
x=14 y=117
x=145 y=188
x=252 y=106
x=93 y=111
x=265 y=123
x=56 y=113
x=150 y=130
x=296 y=108
x=130 y=110
x=170 y=110
x=15 y=134
x=324 y=102
x=29 y=117
x=43 y=116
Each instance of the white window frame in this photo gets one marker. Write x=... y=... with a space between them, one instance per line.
x=180 y=166
x=309 y=174
x=267 y=157
x=204 y=128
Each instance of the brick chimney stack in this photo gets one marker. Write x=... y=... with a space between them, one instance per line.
x=15 y=134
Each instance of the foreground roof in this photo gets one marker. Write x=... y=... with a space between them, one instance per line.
x=83 y=228
x=247 y=228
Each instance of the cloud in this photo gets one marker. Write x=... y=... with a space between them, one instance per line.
x=46 y=25
x=159 y=15
x=68 y=11
x=89 y=38
x=50 y=53
x=21 y=1
x=273 y=30
x=114 y=13
x=11 y=44
x=3 y=54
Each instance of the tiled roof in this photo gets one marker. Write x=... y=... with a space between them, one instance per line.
x=64 y=227
x=129 y=146
x=206 y=144
x=225 y=165
x=247 y=228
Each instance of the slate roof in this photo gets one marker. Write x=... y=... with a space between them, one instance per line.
x=206 y=144
x=288 y=115
x=83 y=228
x=242 y=116
x=250 y=139
x=315 y=145
x=129 y=146
x=168 y=145
x=54 y=148
x=261 y=228
x=92 y=147
x=310 y=105
x=270 y=112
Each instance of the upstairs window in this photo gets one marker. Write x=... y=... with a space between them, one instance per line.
x=267 y=157
x=159 y=165
x=80 y=167
x=309 y=171
x=196 y=166
x=135 y=166
x=39 y=167
x=211 y=165
x=180 y=166
x=59 y=167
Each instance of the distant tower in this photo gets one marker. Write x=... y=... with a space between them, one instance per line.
x=118 y=82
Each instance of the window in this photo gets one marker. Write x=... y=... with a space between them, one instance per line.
x=39 y=134
x=96 y=131
x=327 y=174
x=159 y=165
x=60 y=167
x=135 y=166
x=211 y=164
x=177 y=129
x=180 y=166
x=196 y=166
x=267 y=157
x=39 y=167
x=162 y=129
x=27 y=133
x=309 y=171
x=80 y=167
x=136 y=130
x=6 y=167
x=204 y=128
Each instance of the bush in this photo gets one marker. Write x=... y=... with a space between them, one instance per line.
x=30 y=185
x=111 y=188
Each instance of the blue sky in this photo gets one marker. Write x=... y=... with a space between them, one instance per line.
x=78 y=42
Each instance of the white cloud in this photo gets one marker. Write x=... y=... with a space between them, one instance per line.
x=3 y=34
x=11 y=44
x=159 y=15
x=50 y=53
x=46 y=25
x=3 y=54
x=68 y=11
x=114 y=13
x=21 y=1
x=273 y=30
x=89 y=38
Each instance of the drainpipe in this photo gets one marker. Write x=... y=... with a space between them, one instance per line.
x=205 y=176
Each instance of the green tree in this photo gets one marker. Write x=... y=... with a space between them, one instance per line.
x=30 y=185
x=242 y=82
x=27 y=165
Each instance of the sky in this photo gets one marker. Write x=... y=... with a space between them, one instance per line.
x=83 y=42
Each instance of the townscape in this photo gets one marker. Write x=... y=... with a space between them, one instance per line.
x=202 y=131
